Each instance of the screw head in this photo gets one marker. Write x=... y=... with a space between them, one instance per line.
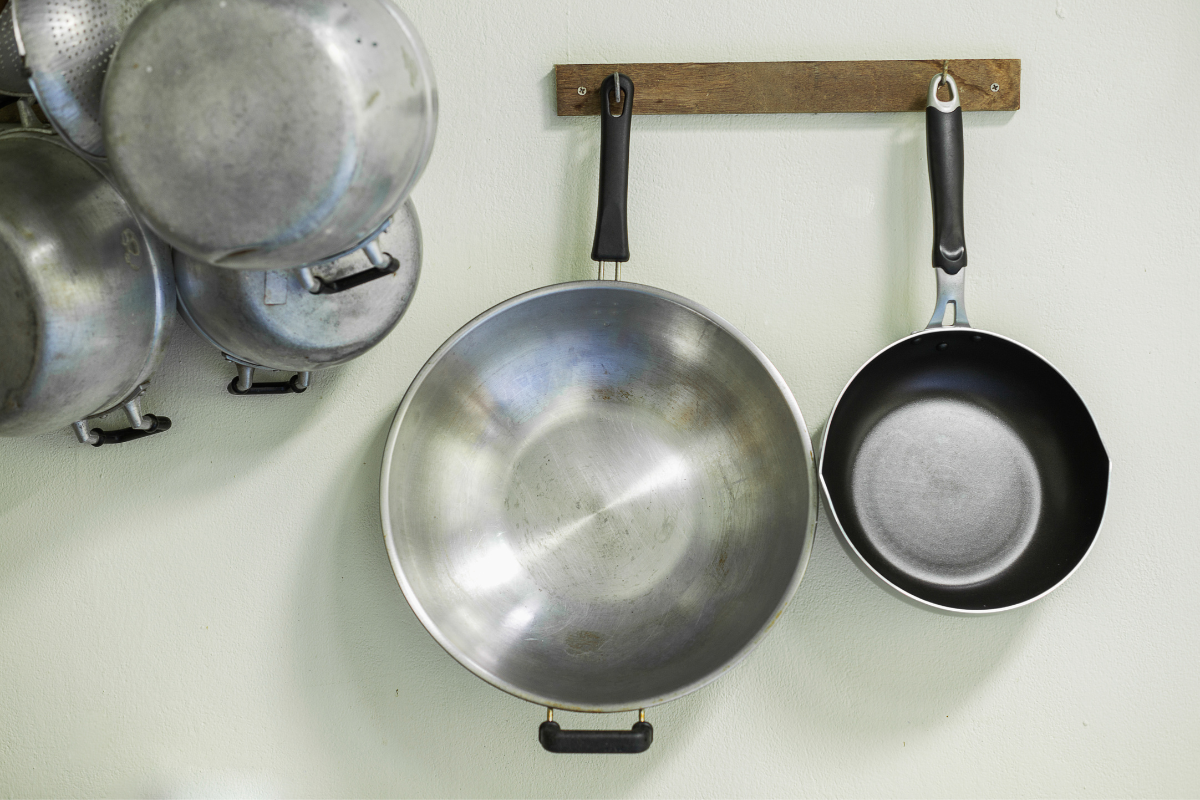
x=995 y=88
x=582 y=90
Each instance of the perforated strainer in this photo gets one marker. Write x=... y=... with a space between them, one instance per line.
x=67 y=45
x=12 y=67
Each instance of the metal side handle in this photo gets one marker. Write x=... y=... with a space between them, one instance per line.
x=382 y=265
x=635 y=740
x=244 y=385
x=140 y=426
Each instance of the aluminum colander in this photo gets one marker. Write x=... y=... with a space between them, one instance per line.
x=66 y=46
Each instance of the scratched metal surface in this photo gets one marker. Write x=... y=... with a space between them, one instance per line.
x=68 y=46
x=598 y=496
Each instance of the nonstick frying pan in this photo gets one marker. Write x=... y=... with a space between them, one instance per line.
x=599 y=496
x=961 y=469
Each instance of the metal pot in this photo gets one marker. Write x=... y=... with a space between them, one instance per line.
x=599 y=496
x=260 y=134
x=303 y=319
x=12 y=65
x=90 y=295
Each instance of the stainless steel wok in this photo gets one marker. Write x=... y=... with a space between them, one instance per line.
x=598 y=496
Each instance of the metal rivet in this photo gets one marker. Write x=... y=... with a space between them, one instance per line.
x=995 y=88
x=582 y=90
x=977 y=338
x=943 y=345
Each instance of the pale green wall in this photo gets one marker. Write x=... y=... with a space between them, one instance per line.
x=212 y=611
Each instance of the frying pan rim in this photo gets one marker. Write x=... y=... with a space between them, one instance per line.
x=878 y=577
x=464 y=659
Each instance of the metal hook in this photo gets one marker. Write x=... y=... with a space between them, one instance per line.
x=945 y=71
x=617 y=85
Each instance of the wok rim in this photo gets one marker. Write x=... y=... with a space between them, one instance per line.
x=463 y=658
x=867 y=567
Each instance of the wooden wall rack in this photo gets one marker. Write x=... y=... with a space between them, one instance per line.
x=791 y=87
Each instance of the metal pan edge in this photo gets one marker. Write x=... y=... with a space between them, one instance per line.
x=389 y=535
x=862 y=562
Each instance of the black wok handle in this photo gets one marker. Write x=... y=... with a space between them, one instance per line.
x=944 y=142
x=635 y=740
x=612 y=234
x=157 y=425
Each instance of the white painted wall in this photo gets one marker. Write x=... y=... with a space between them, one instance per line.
x=212 y=611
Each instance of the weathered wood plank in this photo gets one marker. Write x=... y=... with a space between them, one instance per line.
x=791 y=87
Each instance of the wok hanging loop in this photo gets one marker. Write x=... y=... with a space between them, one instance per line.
x=635 y=740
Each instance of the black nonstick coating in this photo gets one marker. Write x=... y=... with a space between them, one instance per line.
x=965 y=470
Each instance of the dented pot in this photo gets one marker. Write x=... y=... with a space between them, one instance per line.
x=90 y=295
x=307 y=319
x=253 y=157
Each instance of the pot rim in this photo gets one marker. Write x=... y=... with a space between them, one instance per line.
x=463 y=658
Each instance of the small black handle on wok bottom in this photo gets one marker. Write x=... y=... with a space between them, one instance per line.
x=635 y=740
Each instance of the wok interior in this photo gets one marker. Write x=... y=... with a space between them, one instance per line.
x=965 y=470
x=599 y=497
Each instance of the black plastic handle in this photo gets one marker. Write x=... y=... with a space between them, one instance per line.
x=276 y=387
x=944 y=142
x=635 y=740
x=157 y=425
x=359 y=278
x=612 y=233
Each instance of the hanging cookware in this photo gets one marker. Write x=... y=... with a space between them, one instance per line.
x=962 y=469
x=65 y=47
x=304 y=319
x=89 y=298
x=598 y=496
x=265 y=135
x=12 y=65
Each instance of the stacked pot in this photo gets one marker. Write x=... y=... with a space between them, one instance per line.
x=279 y=175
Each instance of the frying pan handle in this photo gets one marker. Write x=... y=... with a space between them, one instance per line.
x=612 y=233
x=944 y=141
x=635 y=740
